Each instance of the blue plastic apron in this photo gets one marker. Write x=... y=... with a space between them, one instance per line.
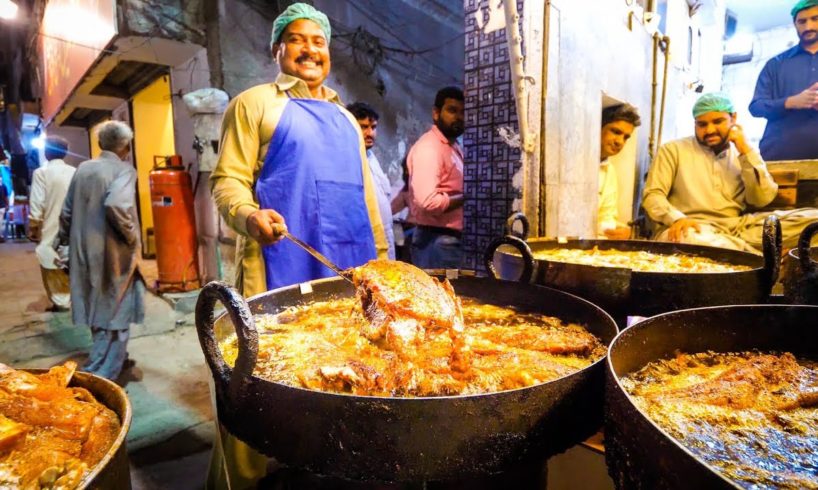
x=312 y=175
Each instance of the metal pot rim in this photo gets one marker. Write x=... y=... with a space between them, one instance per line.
x=793 y=252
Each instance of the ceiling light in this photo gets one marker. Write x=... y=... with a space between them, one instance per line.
x=8 y=9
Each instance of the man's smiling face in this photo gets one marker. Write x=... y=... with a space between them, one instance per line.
x=303 y=52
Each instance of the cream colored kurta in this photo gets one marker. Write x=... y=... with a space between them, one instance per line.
x=247 y=129
x=687 y=180
x=607 y=217
x=48 y=189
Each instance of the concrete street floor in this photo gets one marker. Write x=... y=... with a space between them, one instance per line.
x=172 y=429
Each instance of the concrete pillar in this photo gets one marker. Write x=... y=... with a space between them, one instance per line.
x=206 y=107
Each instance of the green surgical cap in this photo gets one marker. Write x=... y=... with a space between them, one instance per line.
x=715 y=102
x=299 y=11
x=803 y=4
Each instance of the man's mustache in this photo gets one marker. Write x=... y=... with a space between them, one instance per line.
x=306 y=57
x=808 y=32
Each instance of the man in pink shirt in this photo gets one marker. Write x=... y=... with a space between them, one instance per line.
x=435 y=164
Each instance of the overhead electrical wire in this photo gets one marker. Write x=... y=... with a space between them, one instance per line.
x=408 y=47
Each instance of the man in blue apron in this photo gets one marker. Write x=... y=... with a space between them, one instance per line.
x=291 y=157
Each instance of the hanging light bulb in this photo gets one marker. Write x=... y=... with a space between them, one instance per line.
x=8 y=9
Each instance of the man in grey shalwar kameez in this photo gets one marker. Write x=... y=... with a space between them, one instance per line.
x=99 y=222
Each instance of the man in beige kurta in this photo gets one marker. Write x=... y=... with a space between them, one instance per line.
x=700 y=188
x=300 y=46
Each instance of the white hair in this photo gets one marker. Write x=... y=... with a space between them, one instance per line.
x=114 y=135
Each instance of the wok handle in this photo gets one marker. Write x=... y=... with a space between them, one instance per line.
x=521 y=245
x=771 y=247
x=509 y=228
x=237 y=378
x=808 y=266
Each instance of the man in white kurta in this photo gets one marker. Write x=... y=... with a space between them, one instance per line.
x=48 y=189
x=699 y=188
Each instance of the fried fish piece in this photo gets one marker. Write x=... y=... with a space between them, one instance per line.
x=745 y=384
x=402 y=303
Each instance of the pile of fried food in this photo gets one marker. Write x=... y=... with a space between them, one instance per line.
x=51 y=435
x=752 y=416
x=407 y=334
x=638 y=260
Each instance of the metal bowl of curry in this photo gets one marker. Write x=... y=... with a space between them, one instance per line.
x=62 y=429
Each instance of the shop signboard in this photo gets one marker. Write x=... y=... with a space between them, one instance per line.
x=74 y=34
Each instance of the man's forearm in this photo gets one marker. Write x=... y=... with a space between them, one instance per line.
x=760 y=187
x=768 y=108
x=659 y=209
x=35 y=228
x=234 y=200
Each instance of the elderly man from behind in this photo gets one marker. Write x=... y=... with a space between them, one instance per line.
x=291 y=158
x=49 y=187
x=435 y=164
x=618 y=124
x=699 y=189
x=367 y=119
x=99 y=222
x=787 y=93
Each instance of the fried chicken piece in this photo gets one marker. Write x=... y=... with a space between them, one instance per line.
x=403 y=303
x=71 y=418
x=101 y=436
x=41 y=387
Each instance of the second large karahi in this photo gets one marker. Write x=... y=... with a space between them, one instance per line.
x=753 y=416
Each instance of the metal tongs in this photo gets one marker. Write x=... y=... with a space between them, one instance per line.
x=318 y=255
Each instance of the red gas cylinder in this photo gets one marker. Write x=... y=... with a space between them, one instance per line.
x=174 y=225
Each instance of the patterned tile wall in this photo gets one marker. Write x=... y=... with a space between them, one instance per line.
x=489 y=163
